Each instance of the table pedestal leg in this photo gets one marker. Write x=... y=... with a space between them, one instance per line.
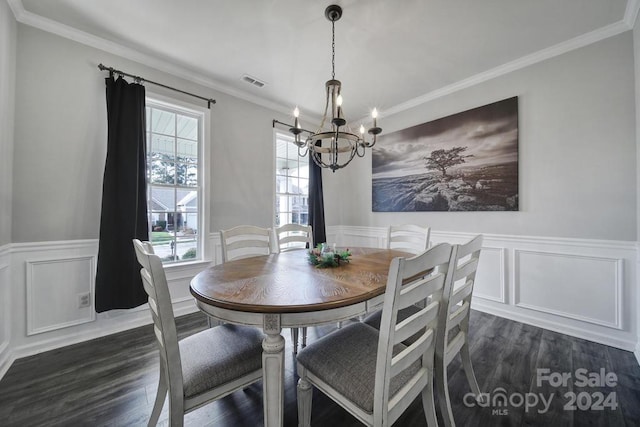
x=273 y=371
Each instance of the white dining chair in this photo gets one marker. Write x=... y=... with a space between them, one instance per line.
x=371 y=373
x=292 y=237
x=245 y=241
x=453 y=333
x=203 y=367
x=454 y=325
x=409 y=238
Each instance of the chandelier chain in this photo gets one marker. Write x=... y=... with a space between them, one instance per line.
x=333 y=49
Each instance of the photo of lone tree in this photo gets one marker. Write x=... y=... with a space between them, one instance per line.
x=444 y=159
x=464 y=162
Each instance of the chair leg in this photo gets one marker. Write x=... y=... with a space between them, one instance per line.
x=429 y=405
x=161 y=395
x=176 y=410
x=294 y=339
x=468 y=370
x=304 y=337
x=442 y=388
x=466 y=361
x=305 y=393
x=211 y=322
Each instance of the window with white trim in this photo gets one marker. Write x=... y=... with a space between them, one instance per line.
x=174 y=181
x=292 y=183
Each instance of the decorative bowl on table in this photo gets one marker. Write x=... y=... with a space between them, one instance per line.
x=323 y=257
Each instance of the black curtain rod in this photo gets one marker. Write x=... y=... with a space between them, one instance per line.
x=139 y=79
x=273 y=124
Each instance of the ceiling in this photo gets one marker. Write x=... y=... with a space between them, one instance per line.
x=389 y=54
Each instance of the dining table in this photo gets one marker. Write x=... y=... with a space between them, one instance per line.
x=284 y=290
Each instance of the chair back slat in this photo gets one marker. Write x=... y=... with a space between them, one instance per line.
x=461 y=293
x=467 y=268
x=294 y=236
x=415 y=351
x=416 y=322
x=420 y=290
x=410 y=281
x=245 y=241
x=409 y=238
x=454 y=346
x=459 y=314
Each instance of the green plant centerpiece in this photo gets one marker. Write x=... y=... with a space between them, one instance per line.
x=323 y=257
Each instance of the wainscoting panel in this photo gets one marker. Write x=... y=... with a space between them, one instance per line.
x=491 y=281
x=47 y=280
x=579 y=287
x=59 y=293
x=584 y=288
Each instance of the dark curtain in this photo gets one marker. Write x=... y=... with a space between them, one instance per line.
x=316 y=203
x=124 y=204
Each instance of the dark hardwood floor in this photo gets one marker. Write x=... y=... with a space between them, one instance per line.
x=111 y=381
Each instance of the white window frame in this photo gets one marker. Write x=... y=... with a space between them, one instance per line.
x=204 y=174
x=279 y=135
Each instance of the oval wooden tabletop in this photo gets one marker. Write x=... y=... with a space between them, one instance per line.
x=287 y=283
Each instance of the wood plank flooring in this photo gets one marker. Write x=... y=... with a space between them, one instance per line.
x=112 y=381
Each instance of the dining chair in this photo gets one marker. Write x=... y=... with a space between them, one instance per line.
x=291 y=237
x=454 y=325
x=202 y=367
x=409 y=238
x=371 y=373
x=245 y=241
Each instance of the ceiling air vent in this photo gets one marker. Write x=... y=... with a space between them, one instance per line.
x=252 y=80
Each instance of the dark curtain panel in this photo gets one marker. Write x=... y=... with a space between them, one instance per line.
x=124 y=204
x=316 y=203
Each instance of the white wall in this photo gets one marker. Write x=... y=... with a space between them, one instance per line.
x=61 y=142
x=8 y=34
x=60 y=147
x=577 y=151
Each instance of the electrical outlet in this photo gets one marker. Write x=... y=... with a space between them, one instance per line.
x=84 y=300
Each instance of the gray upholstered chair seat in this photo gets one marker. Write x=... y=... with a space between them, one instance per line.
x=207 y=364
x=346 y=359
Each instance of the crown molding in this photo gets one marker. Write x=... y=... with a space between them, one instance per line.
x=25 y=17
x=528 y=60
x=631 y=13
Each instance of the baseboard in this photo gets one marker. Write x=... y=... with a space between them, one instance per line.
x=103 y=326
x=6 y=358
x=614 y=340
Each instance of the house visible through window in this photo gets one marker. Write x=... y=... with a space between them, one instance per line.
x=292 y=183
x=174 y=144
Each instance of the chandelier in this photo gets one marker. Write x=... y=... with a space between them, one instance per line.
x=333 y=145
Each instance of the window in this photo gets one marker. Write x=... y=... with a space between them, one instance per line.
x=174 y=181
x=292 y=183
